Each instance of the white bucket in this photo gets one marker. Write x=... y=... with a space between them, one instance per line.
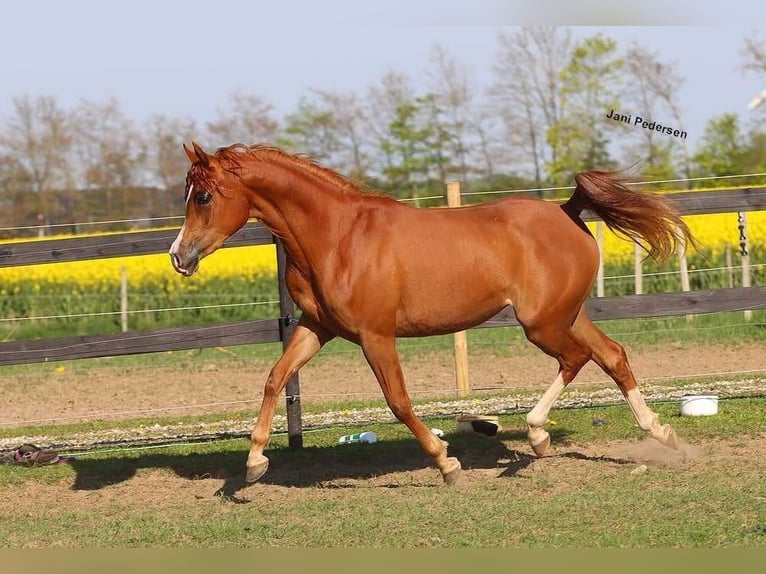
x=699 y=405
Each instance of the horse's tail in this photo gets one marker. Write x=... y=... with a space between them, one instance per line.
x=636 y=215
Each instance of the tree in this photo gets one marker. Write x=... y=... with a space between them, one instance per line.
x=451 y=104
x=36 y=140
x=15 y=184
x=350 y=120
x=754 y=60
x=651 y=90
x=385 y=105
x=722 y=147
x=110 y=149
x=589 y=89
x=754 y=56
x=330 y=126
x=312 y=129
x=166 y=160
x=754 y=156
x=489 y=151
x=526 y=93
x=405 y=147
x=248 y=119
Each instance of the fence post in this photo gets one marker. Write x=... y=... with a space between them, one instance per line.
x=287 y=323
x=637 y=268
x=600 y=243
x=742 y=224
x=729 y=266
x=683 y=264
x=460 y=338
x=124 y=299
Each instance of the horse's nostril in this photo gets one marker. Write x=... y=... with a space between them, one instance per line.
x=176 y=261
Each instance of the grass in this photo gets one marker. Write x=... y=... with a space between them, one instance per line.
x=387 y=494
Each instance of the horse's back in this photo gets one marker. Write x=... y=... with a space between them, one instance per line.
x=511 y=232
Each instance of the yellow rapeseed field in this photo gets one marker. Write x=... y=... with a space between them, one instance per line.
x=713 y=232
x=102 y=274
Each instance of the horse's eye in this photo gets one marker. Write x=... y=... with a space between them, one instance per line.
x=203 y=198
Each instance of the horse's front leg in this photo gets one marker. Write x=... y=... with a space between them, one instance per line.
x=306 y=341
x=380 y=352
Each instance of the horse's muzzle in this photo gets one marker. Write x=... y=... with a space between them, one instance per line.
x=186 y=269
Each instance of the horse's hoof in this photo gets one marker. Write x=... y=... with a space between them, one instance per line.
x=257 y=470
x=539 y=440
x=451 y=472
x=670 y=439
x=542 y=446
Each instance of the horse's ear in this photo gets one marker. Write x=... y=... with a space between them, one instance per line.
x=203 y=158
x=190 y=154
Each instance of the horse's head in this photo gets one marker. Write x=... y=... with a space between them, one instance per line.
x=216 y=207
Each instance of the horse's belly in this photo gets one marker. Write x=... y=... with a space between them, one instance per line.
x=435 y=319
x=456 y=291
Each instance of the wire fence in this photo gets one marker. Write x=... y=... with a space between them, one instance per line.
x=653 y=182
x=137 y=311
x=139 y=295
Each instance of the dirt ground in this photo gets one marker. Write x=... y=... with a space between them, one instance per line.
x=168 y=483
x=224 y=383
x=169 y=486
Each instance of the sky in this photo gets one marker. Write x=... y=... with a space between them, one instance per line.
x=185 y=59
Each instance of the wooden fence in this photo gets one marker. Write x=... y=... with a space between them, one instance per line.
x=280 y=329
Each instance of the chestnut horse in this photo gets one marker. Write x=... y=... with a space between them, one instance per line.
x=369 y=269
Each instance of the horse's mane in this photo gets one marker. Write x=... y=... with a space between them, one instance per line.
x=237 y=155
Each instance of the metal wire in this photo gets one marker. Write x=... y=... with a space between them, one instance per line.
x=568 y=187
x=136 y=311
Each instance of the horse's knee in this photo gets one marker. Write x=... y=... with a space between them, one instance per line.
x=274 y=384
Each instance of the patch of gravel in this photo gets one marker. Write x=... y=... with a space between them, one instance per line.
x=496 y=405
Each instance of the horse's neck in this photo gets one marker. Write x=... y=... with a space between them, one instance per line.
x=306 y=211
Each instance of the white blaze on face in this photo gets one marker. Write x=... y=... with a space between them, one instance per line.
x=189 y=194
x=177 y=243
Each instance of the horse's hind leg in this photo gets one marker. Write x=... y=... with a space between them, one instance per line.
x=306 y=341
x=380 y=352
x=611 y=357
x=571 y=354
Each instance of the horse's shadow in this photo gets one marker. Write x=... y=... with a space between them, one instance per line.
x=323 y=467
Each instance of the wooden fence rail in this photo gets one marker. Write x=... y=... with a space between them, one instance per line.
x=659 y=305
x=134 y=342
x=116 y=245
